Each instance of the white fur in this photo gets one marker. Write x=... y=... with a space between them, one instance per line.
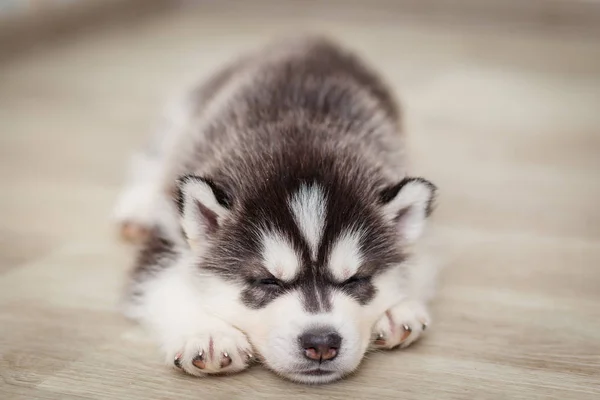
x=142 y=201
x=308 y=206
x=345 y=258
x=414 y=198
x=172 y=309
x=274 y=332
x=415 y=281
x=279 y=257
x=139 y=199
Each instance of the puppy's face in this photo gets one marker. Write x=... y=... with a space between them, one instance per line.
x=306 y=272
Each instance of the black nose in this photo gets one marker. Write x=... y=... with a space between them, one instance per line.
x=320 y=344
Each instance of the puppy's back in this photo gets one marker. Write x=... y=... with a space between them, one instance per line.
x=293 y=96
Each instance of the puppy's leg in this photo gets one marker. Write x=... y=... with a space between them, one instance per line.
x=155 y=168
x=136 y=210
x=406 y=322
x=166 y=296
x=145 y=198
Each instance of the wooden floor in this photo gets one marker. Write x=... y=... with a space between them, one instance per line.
x=505 y=120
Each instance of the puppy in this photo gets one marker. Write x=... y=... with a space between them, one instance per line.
x=277 y=219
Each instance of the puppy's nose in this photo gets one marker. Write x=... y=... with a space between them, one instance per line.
x=320 y=345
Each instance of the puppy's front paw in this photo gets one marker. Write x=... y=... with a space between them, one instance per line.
x=401 y=325
x=224 y=350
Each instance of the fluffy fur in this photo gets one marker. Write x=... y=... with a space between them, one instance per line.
x=275 y=204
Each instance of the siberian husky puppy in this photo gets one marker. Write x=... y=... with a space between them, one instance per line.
x=277 y=219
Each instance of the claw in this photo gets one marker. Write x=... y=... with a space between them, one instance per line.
x=226 y=360
x=177 y=360
x=424 y=327
x=406 y=333
x=198 y=361
x=249 y=357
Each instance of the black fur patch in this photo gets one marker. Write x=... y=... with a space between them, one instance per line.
x=157 y=253
x=362 y=290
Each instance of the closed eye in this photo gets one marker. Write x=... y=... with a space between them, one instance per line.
x=355 y=280
x=270 y=282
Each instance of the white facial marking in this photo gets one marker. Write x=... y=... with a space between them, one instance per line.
x=279 y=256
x=345 y=258
x=308 y=206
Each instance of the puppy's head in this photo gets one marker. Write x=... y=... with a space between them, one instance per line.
x=305 y=270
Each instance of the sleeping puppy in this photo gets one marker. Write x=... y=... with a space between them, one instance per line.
x=277 y=221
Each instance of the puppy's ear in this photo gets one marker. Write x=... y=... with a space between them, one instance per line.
x=408 y=204
x=203 y=206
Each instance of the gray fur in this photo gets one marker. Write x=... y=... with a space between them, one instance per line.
x=239 y=117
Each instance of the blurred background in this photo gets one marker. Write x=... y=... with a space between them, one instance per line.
x=502 y=112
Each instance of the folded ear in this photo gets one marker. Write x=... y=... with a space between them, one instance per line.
x=203 y=206
x=408 y=204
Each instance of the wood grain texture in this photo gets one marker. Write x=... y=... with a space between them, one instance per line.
x=507 y=123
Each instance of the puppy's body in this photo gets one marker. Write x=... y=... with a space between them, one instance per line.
x=289 y=176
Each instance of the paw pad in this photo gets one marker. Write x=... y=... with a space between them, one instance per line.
x=132 y=232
